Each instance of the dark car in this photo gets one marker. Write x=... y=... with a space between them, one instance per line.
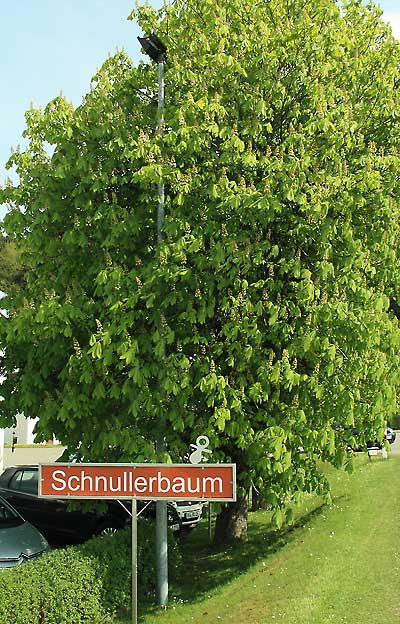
x=19 y=540
x=55 y=518
x=189 y=511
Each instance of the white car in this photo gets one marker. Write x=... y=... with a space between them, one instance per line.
x=189 y=512
x=390 y=435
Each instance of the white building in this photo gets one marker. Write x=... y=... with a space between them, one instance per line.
x=23 y=431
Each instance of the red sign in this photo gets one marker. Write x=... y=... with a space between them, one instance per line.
x=149 y=481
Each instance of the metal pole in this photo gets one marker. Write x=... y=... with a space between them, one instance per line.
x=162 y=553
x=134 y=562
x=160 y=123
x=161 y=506
x=209 y=522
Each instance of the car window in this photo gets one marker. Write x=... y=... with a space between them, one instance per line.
x=8 y=517
x=14 y=482
x=25 y=481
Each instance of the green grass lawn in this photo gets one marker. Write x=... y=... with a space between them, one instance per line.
x=338 y=563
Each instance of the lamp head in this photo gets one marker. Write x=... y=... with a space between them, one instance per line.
x=153 y=47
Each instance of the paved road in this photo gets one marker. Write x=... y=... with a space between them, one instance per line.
x=395 y=447
x=20 y=456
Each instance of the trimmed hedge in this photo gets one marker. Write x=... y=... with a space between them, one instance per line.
x=82 y=584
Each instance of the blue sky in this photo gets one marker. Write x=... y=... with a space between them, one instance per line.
x=49 y=46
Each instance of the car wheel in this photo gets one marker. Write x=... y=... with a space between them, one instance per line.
x=106 y=529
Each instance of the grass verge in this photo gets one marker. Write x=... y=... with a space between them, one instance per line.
x=337 y=563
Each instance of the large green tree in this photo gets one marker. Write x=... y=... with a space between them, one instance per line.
x=11 y=271
x=270 y=293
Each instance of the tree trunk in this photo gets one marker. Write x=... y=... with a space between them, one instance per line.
x=231 y=522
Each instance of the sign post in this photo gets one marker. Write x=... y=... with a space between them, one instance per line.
x=134 y=561
x=209 y=520
x=160 y=482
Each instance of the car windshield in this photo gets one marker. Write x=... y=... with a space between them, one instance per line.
x=8 y=517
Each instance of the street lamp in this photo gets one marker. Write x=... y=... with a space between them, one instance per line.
x=155 y=49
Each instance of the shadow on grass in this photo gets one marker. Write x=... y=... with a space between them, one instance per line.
x=206 y=567
x=213 y=566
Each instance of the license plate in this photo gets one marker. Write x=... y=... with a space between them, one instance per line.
x=191 y=514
